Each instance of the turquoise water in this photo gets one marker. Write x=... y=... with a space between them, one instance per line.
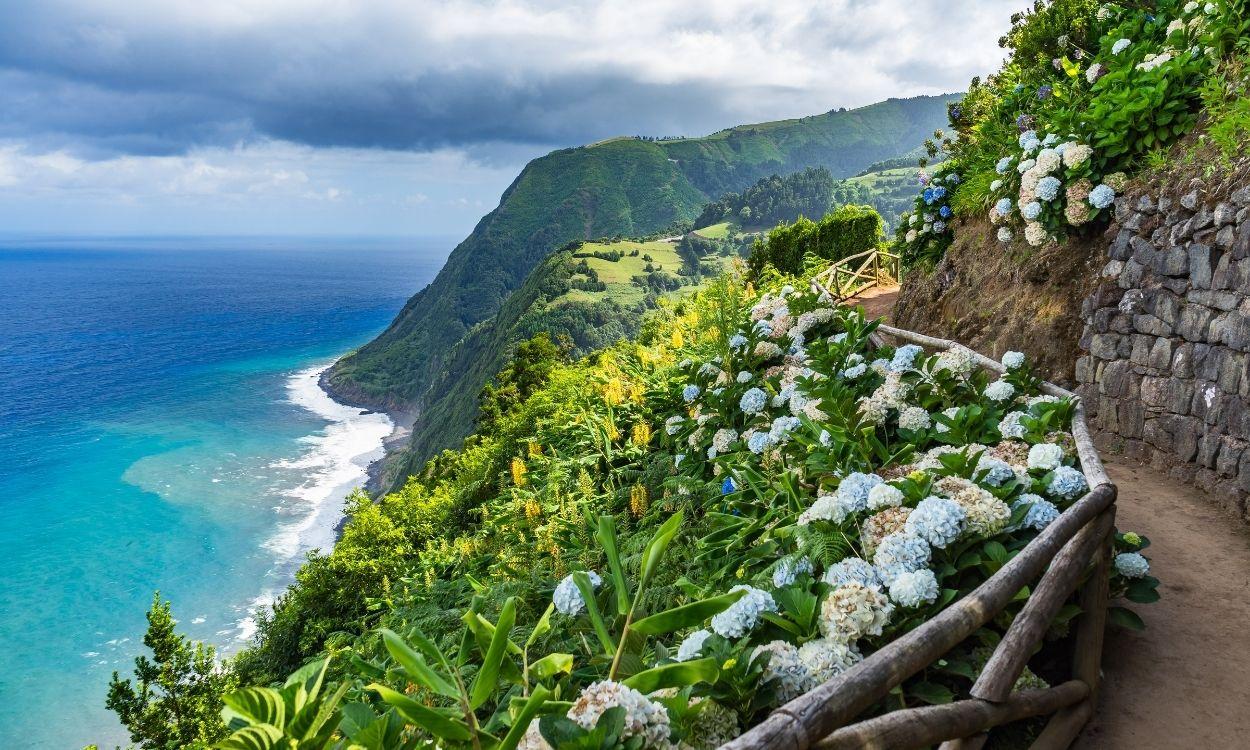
x=161 y=428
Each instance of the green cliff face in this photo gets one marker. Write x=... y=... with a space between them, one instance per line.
x=447 y=342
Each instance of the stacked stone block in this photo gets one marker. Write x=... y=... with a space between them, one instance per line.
x=1167 y=335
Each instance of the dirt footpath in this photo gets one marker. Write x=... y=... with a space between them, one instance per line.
x=1185 y=681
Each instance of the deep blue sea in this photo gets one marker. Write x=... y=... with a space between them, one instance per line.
x=161 y=428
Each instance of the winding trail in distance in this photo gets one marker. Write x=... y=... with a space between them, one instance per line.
x=1184 y=682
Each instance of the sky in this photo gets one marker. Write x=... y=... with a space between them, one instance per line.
x=403 y=117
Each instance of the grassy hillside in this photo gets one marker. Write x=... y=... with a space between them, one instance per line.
x=620 y=187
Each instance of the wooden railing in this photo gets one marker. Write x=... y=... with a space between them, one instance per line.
x=1079 y=540
x=855 y=273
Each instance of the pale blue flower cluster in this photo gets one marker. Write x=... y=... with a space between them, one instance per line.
x=1120 y=46
x=936 y=520
x=900 y=553
x=672 y=425
x=692 y=644
x=854 y=489
x=752 y=402
x=1067 y=483
x=744 y=376
x=568 y=598
x=741 y=616
x=1131 y=565
x=1048 y=188
x=786 y=571
x=1041 y=512
x=1003 y=165
x=852 y=570
x=1011 y=427
x=779 y=432
x=1028 y=140
x=1013 y=360
x=855 y=371
x=737 y=341
x=997 y=472
x=1101 y=196
x=915 y=588
x=758 y=442
x=1003 y=206
x=1031 y=210
x=690 y=393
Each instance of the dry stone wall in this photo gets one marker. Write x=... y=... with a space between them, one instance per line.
x=1166 y=369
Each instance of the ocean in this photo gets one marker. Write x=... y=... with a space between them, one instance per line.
x=161 y=428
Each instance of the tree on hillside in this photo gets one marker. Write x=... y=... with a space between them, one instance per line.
x=530 y=366
x=177 y=700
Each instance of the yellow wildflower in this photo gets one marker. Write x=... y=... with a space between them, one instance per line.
x=641 y=434
x=518 y=471
x=638 y=500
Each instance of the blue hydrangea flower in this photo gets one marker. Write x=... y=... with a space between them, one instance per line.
x=953 y=178
x=1048 y=188
x=690 y=393
x=1041 y=512
x=998 y=472
x=568 y=598
x=1031 y=210
x=763 y=328
x=1101 y=196
x=780 y=429
x=744 y=377
x=936 y=520
x=927 y=195
x=741 y=616
x=1003 y=206
x=1131 y=565
x=1003 y=165
x=939 y=227
x=728 y=487
x=1044 y=91
x=939 y=193
x=692 y=645
x=905 y=357
x=752 y=402
x=855 y=372
x=851 y=570
x=854 y=489
x=945 y=212
x=786 y=571
x=737 y=341
x=758 y=442
x=1028 y=140
x=1067 y=483
x=915 y=588
x=899 y=553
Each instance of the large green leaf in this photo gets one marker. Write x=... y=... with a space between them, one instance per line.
x=687 y=615
x=415 y=665
x=257 y=706
x=257 y=737
x=542 y=628
x=523 y=718
x=677 y=674
x=582 y=581
x=655 y=550
x=488 y=675
x=606 y=535
x=551 y=665
x=435 y=722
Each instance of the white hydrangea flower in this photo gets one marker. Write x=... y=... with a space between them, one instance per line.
x=1131 y=565
x=787 y=673
x=1010 y=426
x=1035 y=234
x=643 y=718
x=742 y=616
x=744 y=376
x=957 y=360
x=787 y=571
x=568 y=598
x=1076 y=154
x=1000 y=390
x=832 y=508
x=672 y=425
x=914 y=418
x=936 y=520
x=851 y=570
x=949 y=414
x=692 y=644
x=853 y=611
x=722 y=439
x=900 y=552
x=914 y=589
x=986 y=515
x=533 y=738
x=885 y=496
x=1045 y=456
x=1119 y=46
x=1013 y=360
x=826 y=658
x=1005 y=234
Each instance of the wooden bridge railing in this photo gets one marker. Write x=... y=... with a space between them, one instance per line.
x=1078 y=540
x=855 y=273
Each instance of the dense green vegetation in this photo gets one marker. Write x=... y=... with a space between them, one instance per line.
x=841 y=233
x=436 y=355
x=1090 y=95
x=773 y=199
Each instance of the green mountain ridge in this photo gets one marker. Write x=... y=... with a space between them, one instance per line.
x=447 y=342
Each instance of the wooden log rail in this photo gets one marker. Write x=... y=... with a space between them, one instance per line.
x=845 y=279
x=1062 y=556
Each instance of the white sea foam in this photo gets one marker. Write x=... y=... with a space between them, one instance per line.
x=334 y=461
